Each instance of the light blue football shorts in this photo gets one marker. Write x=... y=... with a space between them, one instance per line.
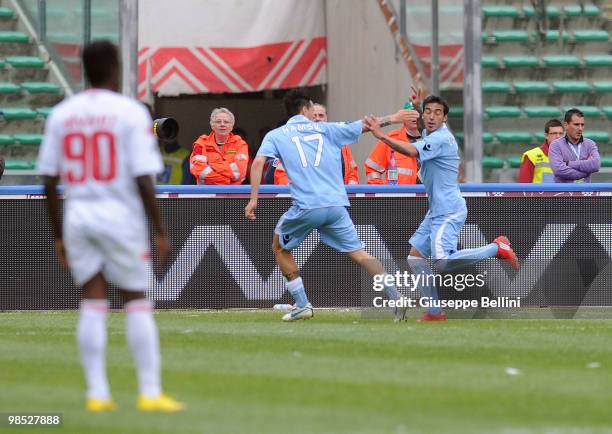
x=333 y=223
x=438 y=236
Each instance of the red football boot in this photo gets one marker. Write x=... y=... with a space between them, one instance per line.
x=431 y=317
x=505 y=252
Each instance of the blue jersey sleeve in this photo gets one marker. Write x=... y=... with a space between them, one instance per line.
x=429 y=148
x=268 y=148
x=342 y=133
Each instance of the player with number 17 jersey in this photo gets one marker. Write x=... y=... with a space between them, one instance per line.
x=313 y=159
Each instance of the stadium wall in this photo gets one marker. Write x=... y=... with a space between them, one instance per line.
x=562 y=235
x=365 y=72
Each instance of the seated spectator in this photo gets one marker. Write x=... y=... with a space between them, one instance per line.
x=1 y=167
x=573 y=158
x=220 y=158
x=535 y=165
x=380 y=159
x=350 y=170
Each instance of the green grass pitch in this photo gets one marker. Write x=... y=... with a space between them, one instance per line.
x=246 y=371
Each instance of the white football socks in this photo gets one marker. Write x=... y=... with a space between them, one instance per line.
x=143 y=341
x=91 y=339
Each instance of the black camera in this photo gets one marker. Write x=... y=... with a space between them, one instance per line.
x=166 y=129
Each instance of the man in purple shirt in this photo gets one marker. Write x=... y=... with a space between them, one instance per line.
x=573 y=158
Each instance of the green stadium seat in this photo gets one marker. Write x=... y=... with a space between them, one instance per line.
x=592 y=60
x=499 y=11
x=602 y=86
x=605 y=161
x=6 y=139
x=44 y=111
x=572 y=10
x=601 y=137
x=18 y=114
x=554 y=35
x=492 y=163
x=9 y=88
x=510 y=36
x=15 y=37
x=489 y=62
x=6 y=13
x=40 y=87
x=521 y=61
x=607 y=110
x=25 y=62
x=19 y=165
x=484 y=37
x=591 y=35
x=513 y=137
x=495 y=87
x=531 y=87
x=588 y=110
x=542 y=112
x=502 y=112
x=591 y=11
x=455 y=112
x=539 y=136
x=29 y=139
x=487 y=137
x=553 y=11
x=571 y=86
x=514 y=161
x=529 y=11
x=562 y=61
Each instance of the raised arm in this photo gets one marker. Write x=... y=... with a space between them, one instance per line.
x=398 y=117
x=373 y=125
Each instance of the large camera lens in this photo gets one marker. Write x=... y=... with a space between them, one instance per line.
x=166 y=128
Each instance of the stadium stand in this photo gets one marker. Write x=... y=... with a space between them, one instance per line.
x=537 y=64
x=28 y=90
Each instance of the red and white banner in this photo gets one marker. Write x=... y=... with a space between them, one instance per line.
x=215 y=46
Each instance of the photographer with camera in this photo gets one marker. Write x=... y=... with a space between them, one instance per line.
x=175 y=157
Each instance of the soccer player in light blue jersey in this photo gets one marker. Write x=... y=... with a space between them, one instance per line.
x=311 y=155
x=438 y=234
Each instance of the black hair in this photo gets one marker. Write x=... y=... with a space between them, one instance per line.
x=101 y=61
x=571 y=112
x=294 y=100
x=551 y=124
x=435 y=99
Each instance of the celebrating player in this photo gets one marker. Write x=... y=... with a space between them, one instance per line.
x=438 y=234
x=101 y=145
x=311 y=153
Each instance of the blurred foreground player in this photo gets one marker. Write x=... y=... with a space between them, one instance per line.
x=101 y=145
x=311 y=152
x=438 y=234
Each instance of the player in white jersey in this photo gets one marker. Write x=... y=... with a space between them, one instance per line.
x=100 y=144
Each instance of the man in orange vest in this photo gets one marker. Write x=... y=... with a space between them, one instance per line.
x=350 y=170
x=379 y=165
x=220 y=158
x=535 y=165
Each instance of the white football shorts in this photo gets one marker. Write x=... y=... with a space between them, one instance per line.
x=121 y=253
